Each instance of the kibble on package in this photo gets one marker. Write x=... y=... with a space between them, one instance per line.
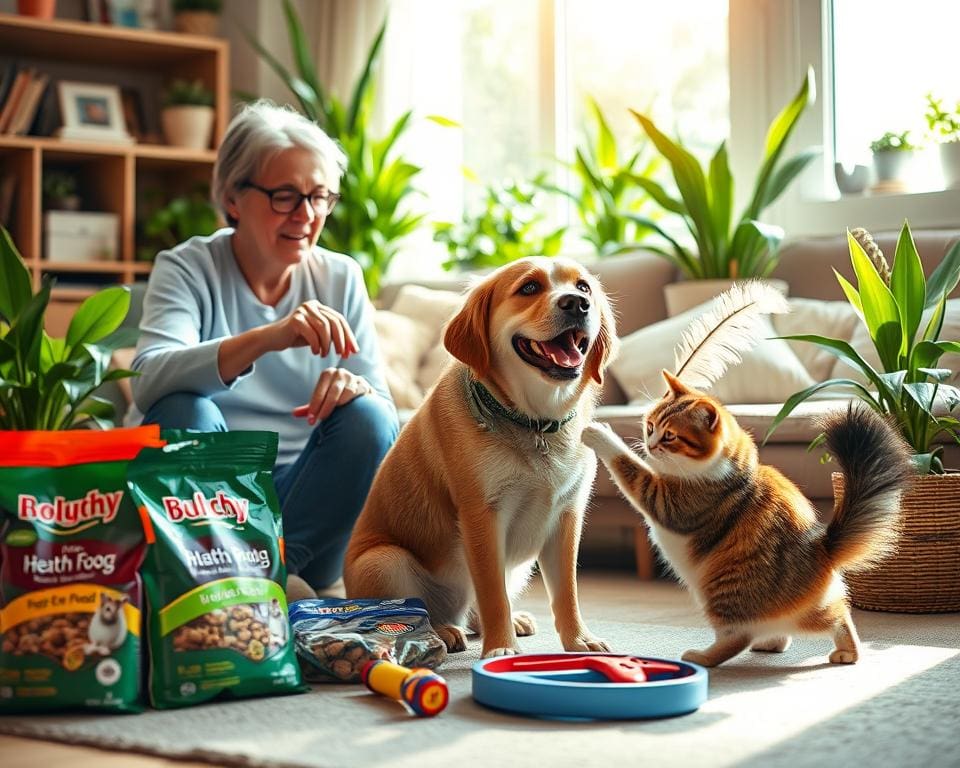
x=335 y=638
x=70 y=546
x=214 y=571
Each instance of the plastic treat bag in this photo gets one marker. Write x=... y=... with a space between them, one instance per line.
x=70 y=546
x=214 y=570
x=335 y=638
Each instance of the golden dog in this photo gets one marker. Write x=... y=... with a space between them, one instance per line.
x=490 y=475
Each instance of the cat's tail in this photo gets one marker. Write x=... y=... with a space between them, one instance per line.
x=876 y=466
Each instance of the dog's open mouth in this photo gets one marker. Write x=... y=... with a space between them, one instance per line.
x=560 y=357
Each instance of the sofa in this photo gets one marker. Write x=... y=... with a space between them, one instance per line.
x=410 y=321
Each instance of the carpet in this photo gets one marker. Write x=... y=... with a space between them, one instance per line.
x=898 y=706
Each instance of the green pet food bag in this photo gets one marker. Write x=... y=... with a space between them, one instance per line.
x=214 y=573
x=71 y=543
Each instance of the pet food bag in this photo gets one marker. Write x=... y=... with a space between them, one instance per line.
x=214 y=573
x=335 y=638
x=70 y=546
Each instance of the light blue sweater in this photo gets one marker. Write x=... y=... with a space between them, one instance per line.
x=197 y=297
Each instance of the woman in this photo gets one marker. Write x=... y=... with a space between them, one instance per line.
x=256 y=327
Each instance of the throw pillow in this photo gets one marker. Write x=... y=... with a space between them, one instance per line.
x=433 y=309
x=403 y=344
x=769 y=373
x=835 y=319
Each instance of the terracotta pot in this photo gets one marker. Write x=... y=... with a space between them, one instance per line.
x=924 y=574
x=197 y=23
x=687 y=294
x=41 y=9
x=187 y=126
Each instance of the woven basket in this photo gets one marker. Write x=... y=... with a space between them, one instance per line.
x=924 y=575
x=197 y=23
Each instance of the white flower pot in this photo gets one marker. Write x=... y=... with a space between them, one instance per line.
x=189 y=127
x=687 y=294
x=891 y=164
x=950 y=163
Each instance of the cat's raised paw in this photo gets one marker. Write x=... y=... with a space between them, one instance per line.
x=599 y=436
x=844 y=657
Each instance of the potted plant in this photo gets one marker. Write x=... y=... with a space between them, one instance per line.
x=510 y=226
x=945 y=127
x=60 y=191
x=197 y=17
x=608 y=194
x=911 y=389
x=187 y=114
x=183 y=217
x=724 y=249
x=374 y=213
x=50 y=383
x=892 y=153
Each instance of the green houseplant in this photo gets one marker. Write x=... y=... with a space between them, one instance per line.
x=608 y=195
x=196 y=17
x=891 y=303
x=179 y=219
x=725 y=248
x=50 y=383
x=910 y=388
x=374 y=212
x=944 y=124
x=510 y=226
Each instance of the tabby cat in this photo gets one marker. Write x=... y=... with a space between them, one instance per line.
x=742 y=536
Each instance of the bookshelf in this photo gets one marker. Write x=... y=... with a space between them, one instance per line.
x=114 y=177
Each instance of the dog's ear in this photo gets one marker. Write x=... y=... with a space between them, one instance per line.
x=606 y=345
x=467 y=336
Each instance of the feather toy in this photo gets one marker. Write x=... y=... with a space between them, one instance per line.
x=716 y=339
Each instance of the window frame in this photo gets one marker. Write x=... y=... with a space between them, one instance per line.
x=771 y=43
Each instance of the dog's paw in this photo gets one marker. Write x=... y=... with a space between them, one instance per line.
x=844 y=657
x=773 y=645
x=524 y=624
x=490 y=653
x=453 y=637
x=586 y=642
x=698 y=657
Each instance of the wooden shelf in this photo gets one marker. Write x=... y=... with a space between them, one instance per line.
x=110 y=174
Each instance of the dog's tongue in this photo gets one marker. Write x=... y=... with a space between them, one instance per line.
x=566 y=354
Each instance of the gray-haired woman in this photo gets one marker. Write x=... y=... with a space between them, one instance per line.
x=256 y=327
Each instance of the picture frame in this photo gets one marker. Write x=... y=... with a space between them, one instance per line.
x=91 y=112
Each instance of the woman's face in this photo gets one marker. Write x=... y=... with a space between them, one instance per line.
x=284 y=237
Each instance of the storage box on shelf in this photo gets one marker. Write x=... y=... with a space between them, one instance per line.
x=114 y=176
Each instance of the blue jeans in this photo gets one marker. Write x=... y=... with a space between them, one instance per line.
x=322 y=492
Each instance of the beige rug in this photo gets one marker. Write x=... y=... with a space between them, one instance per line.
x=897 y=707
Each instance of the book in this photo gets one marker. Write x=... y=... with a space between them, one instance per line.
x=29 y=103
x=6 y=80
x=8 y=185
x=13 y=99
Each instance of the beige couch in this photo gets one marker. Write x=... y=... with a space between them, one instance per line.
x=411 y=318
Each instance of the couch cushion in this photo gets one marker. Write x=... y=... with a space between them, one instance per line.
x=404 y=342
x=836 y=319
x=769 y=372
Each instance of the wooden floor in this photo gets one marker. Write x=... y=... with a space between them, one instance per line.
x=600 y=595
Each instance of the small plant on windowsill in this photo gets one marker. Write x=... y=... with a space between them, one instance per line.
x=46 y=382
x=892 y=153
x=945 y=127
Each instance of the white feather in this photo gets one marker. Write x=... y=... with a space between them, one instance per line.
x=716 y=339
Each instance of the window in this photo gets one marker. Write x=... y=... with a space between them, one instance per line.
x=884 y=63
x=516 y=74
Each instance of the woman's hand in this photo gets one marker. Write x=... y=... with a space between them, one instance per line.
x=335 y=387
x=314 y=325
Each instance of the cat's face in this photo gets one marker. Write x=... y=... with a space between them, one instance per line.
x=683 y=432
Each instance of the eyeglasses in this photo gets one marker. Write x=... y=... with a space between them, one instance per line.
x=287 y=200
